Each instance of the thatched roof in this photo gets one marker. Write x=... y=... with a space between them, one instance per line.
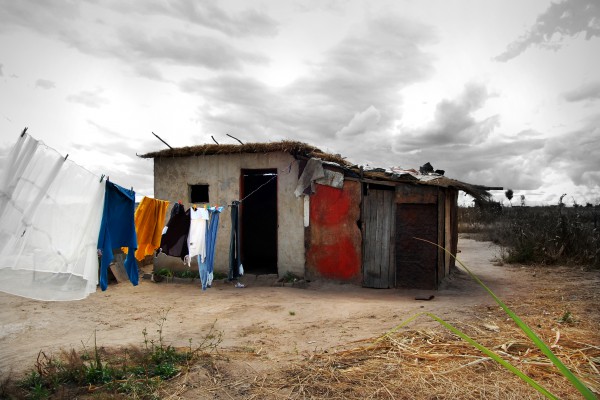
x=306 y=151
x=478 y=192
x=286 y=146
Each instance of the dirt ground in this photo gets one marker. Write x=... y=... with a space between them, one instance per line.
x=283 y=324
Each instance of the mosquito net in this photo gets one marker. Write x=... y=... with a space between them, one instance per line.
x=50 y=214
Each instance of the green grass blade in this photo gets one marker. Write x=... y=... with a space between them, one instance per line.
x=576 y=382
x=477 y=345
x=495 y=357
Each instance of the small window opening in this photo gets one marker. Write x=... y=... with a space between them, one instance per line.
x=199 y=194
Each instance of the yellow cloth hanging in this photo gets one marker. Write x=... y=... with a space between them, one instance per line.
x=149 y=221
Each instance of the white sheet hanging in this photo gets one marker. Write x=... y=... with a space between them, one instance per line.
x=50 y=214
x=197 y=234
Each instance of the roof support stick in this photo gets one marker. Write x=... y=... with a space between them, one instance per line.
x=234 y=138
x=214 y=140
x=162 y=140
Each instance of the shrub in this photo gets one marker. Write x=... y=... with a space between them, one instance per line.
x=545 y=235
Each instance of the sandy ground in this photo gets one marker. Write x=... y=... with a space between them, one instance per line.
x=279 y=322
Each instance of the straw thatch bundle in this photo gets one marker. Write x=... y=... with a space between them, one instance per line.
x=294 y=148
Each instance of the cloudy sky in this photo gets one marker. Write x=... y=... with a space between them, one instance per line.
x=496 y=92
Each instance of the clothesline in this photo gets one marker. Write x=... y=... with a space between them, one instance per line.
x=289 y=170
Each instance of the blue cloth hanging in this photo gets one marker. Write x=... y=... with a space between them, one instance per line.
x=206 y=268
x=118 y=230
x=211 y=238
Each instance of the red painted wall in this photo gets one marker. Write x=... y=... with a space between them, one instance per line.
x=333 y=238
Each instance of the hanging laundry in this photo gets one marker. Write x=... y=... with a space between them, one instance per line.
x=312 y=171
x=118 y=229
x=50 y=213
x=174 y=238
x=234 y=243
x=211 y=241
x=206 y=266
x=197 y=235
x=149 y=221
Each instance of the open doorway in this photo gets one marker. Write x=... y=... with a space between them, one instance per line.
x=258 y=223
x=416 y=261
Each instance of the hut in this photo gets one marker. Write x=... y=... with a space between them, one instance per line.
x=315 y=215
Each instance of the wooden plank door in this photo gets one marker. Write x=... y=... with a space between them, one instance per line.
x=378 y=239
x=416 y=261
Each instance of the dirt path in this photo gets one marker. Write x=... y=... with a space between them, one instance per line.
x=280 y=322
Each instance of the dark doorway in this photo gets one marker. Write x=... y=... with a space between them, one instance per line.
x=416 y=261
x=259 y=221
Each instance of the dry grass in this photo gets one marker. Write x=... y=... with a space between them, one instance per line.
x=415 y=364
x=429 y=363
x=432 y=364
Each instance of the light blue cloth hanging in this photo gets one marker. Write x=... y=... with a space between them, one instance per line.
x=203 y=271
x=206 y=268
x=118 y=230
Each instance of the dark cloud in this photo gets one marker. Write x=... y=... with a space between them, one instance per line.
x=44 y=17
x=568 y=18
x=1 y=73
x=231 y=89
x=45 y=84
x=52 y=16
x=183 y=49
x=208 y=14
x=453 y=123
x=148 y=70
x=517 y=163
x=89 y=98
x=576 y=153
x=361 y=74
x=144 y=49
x=589 y=91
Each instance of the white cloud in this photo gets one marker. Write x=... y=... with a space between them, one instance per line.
x=361 y=122
x=367 y=68
x=453 y=123
x=209 y=61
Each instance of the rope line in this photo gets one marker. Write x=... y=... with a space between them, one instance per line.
x=289 y=170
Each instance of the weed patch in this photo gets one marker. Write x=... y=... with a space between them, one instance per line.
x=546 y=235
x=136 y=372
